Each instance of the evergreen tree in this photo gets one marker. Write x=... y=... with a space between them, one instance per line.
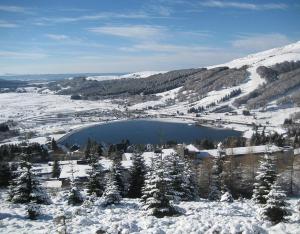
x=96 y=181
x=26 y=187
x=33 y=211
x=54 y=145
x=137 y=176
x=189 y=186
x=216 y=180
x=88 y=147
x=74 y=197
x=175 y=166
x=118 y=171
x=275 y=210
x=156 y=191
x=264 y=179
x=111 y=194
x=99 y=150
x=5 y=174
x=56 y=169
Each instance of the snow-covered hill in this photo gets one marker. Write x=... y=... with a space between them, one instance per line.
x=273 y=118
x=142 y=74
x=270 y=57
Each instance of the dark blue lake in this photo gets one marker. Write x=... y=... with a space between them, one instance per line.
x=146 y=131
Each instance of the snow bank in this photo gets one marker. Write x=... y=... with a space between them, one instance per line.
x=128 y=217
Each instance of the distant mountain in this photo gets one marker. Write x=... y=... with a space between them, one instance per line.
x=53 y=77
x=12 y=83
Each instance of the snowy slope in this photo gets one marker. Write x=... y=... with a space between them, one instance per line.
x=143 y=74
x=266 y=58
x=274 y=118
x=129 y=217
x=289 y=52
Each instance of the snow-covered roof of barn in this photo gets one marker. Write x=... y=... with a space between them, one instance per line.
x=79 y=171
x=241 y=150
x=191 y=148
x=127 y=156
x=253 y=149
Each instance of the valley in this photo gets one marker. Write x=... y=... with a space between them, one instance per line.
x=202 y=96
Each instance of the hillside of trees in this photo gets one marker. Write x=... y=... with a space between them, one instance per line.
x=201 y=81
x=282 y=82
x=92 y=89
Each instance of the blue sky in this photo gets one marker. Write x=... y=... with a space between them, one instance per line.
x=56 y=36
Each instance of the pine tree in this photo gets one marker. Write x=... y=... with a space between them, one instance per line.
x=5 y=174
x=276 y=208
x=118 y=171
x=74 y=197
x=33 y=211
x=88 y=147
x=184 y=186
x=156 y=191
x=54 y=145
x=264 y=179
x=111 y=194
x=96 y=183
x=215 y=187
x=137 y=176
x=175 y=166
x=189 y=186
x=99 y=150
x=56 y=169
x=26 y=187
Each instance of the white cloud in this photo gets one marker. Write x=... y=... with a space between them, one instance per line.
x=127 y=63
x=99 y=16
x=6 y=24
x=21 y=55
x=133 y=31
x=13 y=9
x=57 y=37
x=160 y=10
x=260 y=42
x=168 y=48
x=243 y=5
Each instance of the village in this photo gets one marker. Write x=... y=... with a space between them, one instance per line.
x=286 y=157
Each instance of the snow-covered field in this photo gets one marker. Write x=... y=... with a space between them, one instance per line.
x=49 y=114
x=128 y=217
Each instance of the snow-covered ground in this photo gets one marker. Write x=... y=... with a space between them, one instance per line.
x=49 y=114
x=129 y=217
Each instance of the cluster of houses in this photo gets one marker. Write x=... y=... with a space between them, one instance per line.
x=71 y=166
